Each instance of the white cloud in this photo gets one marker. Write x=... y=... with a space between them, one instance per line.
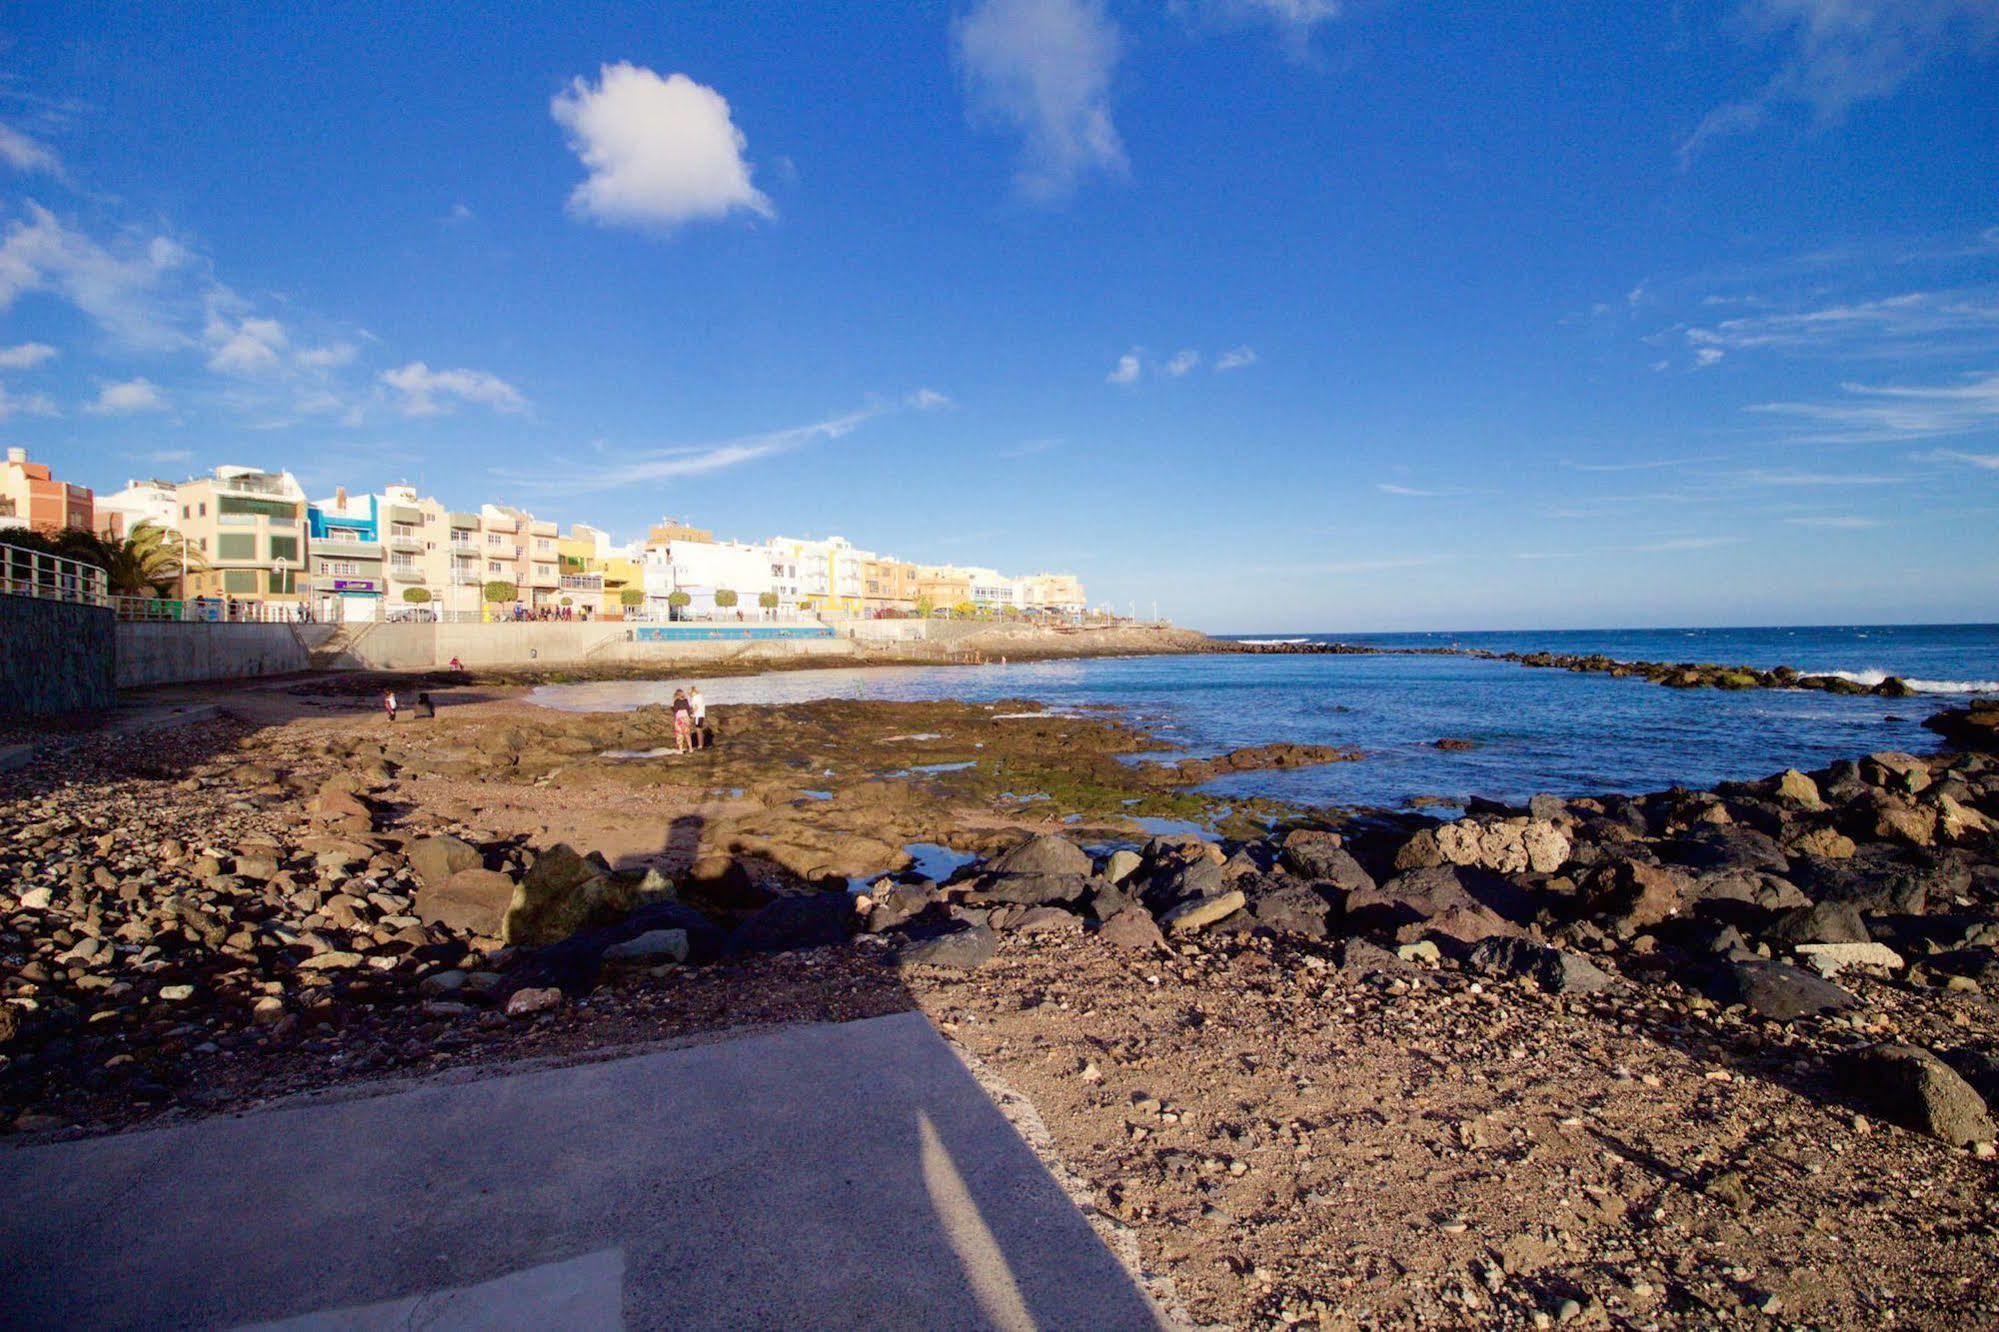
x=246 y=346
x=129 y=398
x=329 y=357
x=1182 y=362
x=1651 y=465
x=1836 y=522
x=1042 y=68
x=1390 y=488
x=460 y=213
x=927 y=400
x=422 y=388
x=1763 y=476
x=29 y=404
x=1988 y=461
x=660 y=151
x=1689 y=543
x=679 y=462
x=1706 y=356
x=123 y=291
x=1236 y=358
x=1127 y=369
x=1876 y=414
x=26 y=356
x=1840 y=53
x=170 y=456
x=1879 y=327
x=1294 y=20
x=25 y=153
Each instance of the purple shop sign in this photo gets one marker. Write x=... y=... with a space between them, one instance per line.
x=353 y=585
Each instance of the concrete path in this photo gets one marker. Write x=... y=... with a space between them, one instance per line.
x=849 y=1175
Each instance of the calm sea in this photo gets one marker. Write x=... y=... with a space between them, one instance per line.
x=1533 y=730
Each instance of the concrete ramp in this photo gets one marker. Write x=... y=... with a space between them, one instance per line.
x=849 y=1175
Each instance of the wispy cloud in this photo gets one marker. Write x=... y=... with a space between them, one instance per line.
x=1236 y=358
x=1836 y=522
x=1042 y=69
x=1182 y=361
x=1688 y=543
x=25 y=404
x=1988 y=461
x=678 y=462
x=1418 y=492
x=127 y=289
x=1772 y=476
x=1876 y=414
x=927 y=400
x=1891 y=326
x=1127 y=369
x=1648 y=465
x=24 y=152
x=1841 y=53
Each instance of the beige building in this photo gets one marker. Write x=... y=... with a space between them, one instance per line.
x=889 y=586
x=518 y=548
x=942 y=587
x=249 y=529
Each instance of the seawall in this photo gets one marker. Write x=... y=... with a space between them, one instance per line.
x=166 y=653
x=55 y=657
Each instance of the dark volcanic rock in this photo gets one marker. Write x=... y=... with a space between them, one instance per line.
x=957 y=946
x=1050 y=856
x=1550 y=968
x=1917 y=1090
x=796 y=922
x=1824 y=922
x=1773 y=989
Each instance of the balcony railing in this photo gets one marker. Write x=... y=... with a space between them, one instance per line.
x=30 y=573
x=406 y=573
x=410 y=542
x=344 y=546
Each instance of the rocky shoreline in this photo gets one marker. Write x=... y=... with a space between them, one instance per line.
x=1780 y=986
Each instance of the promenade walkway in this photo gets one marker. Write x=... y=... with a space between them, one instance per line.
x=850 y=1175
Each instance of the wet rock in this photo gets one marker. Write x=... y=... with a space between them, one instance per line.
x=1552 y=969
x=1914 y=1088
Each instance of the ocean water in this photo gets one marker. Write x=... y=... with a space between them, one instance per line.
x=1532 y=730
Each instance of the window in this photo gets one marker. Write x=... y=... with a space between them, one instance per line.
x=492 y=538
x=186 y=510
x=239 y=580
x=254 y=507
x=284 y=582
x=339 y=567
x=493 y=567
x=284 y=548
x=236 y=546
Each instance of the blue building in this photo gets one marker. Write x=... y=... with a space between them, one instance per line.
x=345 y=578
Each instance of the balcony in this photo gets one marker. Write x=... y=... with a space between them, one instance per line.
x=254 y=485
x=406 y=573
x=467 y=578
x=409 y=542
x=585 y=582
x=347 y=548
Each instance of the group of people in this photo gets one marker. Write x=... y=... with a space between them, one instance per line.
x=690 y=721
x=549 y=613
x=424 y=707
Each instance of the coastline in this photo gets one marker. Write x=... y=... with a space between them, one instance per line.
x=301 y=898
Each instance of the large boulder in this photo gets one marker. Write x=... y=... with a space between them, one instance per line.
x=564 y=892
x=1773 y=989
x=1197 y=913
x=1132 y=929
x=1552 y=969
x=1323 y=857
x=959 y=946
x=436 y=859
x=1637 y=895
x=1509 y=846
x=1286 y=905
x=1053 y=856
x=1426 y=895
x=471 y=901
x=1820 y=923
x=1914 y=1088
x=789 y=923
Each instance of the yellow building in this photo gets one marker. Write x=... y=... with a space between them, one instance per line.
x=595 y=574
x=888 y=587
x=942 y=587
x=249 y=529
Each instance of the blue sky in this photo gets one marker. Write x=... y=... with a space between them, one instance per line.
x=1282 y=314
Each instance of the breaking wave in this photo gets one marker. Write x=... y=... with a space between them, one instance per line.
x=1871 y=678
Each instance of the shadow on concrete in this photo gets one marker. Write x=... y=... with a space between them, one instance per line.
x=830 y=1175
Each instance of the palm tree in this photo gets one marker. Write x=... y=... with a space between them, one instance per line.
x=147 y=561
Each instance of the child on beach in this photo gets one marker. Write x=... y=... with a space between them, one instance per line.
x=697 y=708
x=424 y=707
x=389 y=703
x=683 y=722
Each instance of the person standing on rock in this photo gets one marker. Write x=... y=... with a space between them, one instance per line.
x=697 y=709
x=683 y=722
x=424 y=707
x=389 y=704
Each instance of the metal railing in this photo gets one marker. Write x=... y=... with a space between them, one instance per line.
x=30 y=573
x=211 y=610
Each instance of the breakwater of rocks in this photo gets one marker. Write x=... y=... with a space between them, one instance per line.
x=1675 y=675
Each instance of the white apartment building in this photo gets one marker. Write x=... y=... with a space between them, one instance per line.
x=703 y=568
x=993 y=590
x=829 y=575
x=150 y=501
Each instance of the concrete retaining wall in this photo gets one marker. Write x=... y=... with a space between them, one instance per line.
x=167 y=653
x=55 y=657
x=405 y=647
